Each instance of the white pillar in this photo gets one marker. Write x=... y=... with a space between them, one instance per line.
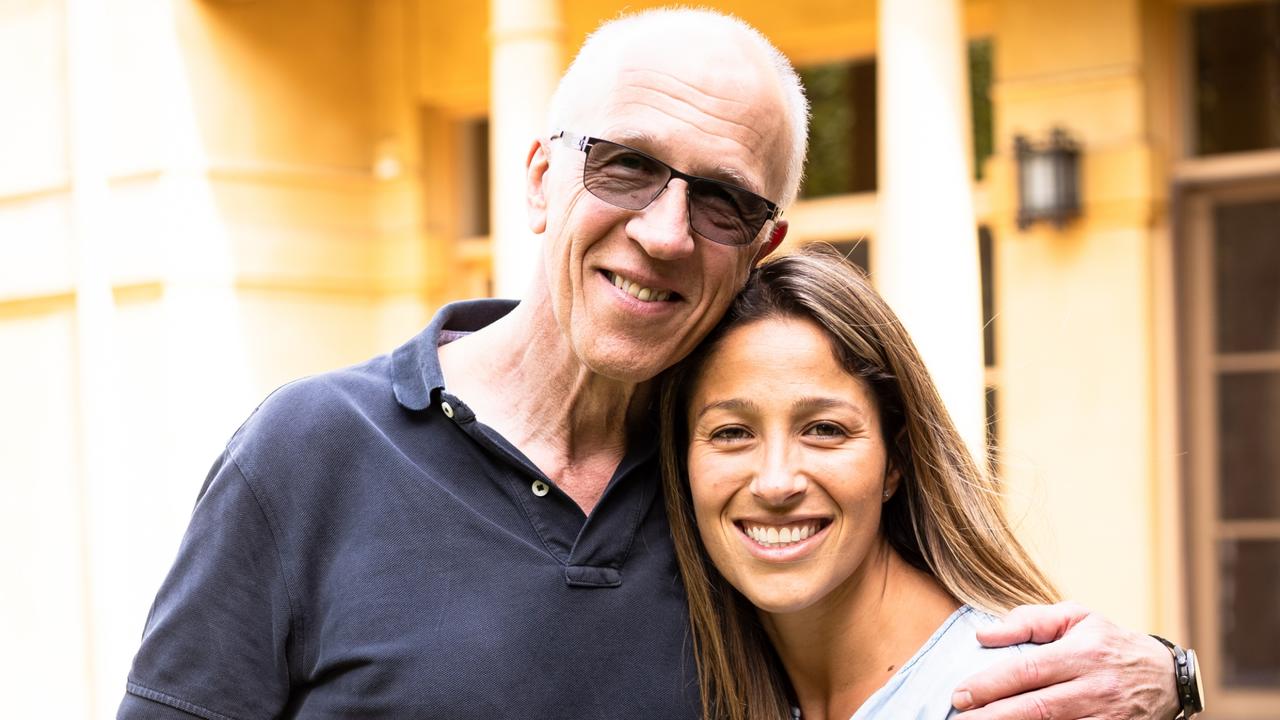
x=925 y=259
x=525 y=57
x=97 y=411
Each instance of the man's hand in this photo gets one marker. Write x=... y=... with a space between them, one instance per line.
x=1090 y=668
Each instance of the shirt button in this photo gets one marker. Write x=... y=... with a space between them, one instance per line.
x=447 y=408
x=540 y=488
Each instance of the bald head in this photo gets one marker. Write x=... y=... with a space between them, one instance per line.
x=733 y=64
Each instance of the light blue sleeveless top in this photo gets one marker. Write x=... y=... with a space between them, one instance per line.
x=921 y=689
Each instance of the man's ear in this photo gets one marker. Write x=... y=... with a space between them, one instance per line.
x=535 y=196
x=776 y=235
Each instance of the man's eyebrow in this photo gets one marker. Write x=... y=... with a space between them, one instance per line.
x=738 y=405
x=633 y=137
x=641 y=140
x=731 y=176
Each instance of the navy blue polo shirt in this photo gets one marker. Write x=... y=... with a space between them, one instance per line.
x=365 y=548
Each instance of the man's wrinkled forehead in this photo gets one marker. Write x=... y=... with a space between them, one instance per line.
x=728 y=68
x=720 y=94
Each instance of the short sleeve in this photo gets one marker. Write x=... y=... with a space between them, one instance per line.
x=216 y=644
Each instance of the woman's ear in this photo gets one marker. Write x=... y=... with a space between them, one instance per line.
x=535 y=188
x=892 y=478
x=893 y=466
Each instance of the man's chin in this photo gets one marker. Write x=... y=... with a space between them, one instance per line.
x=633 y=362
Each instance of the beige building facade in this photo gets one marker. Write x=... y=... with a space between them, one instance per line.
x=203 y=199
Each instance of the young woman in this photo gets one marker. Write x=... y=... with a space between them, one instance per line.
x=838 y=543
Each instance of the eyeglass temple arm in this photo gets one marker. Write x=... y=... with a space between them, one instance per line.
x=574 y=141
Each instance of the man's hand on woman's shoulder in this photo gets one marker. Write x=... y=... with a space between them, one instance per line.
x=1087 y=667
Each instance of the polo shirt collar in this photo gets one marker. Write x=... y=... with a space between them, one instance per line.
x=416 y=373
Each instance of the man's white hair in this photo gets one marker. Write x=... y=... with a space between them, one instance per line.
x=576 y=86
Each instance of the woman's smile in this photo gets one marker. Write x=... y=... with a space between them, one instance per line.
x=782 y=541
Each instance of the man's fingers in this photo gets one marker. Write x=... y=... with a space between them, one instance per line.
x=1059 y=702
x=1097 y=670
x=1032 y=669
x=1032 y=623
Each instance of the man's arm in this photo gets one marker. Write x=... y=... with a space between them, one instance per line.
x=1089 y=668
x=215 y=642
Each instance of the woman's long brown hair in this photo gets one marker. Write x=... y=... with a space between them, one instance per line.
x=946 y=518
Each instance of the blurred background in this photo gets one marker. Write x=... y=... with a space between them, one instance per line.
x=201 y=200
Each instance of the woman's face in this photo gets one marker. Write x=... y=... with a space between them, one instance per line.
x=787 y=466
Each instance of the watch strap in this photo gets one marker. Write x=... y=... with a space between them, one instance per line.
x=1184 y=672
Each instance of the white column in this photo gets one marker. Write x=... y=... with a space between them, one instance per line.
x=925 y=259
x=525 y=57
x=98 y=406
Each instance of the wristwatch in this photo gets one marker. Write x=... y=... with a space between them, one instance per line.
x=1186 y=677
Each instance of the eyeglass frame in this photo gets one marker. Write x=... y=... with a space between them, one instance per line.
x=584 y=143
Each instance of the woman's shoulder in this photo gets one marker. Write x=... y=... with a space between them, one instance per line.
x=922 y=688
x=960 y=640
x=963 y=625
x=954 y=650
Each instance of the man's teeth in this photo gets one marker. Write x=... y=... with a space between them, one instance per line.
x=772 y=536
x=639 y=292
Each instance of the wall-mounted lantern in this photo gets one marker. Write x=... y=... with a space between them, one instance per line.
x=1048 y=179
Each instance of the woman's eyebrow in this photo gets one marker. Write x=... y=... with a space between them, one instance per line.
x=826 y=403
x=738 y=405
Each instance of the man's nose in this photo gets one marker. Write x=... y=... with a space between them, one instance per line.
x=779 y=481
x=662 y=228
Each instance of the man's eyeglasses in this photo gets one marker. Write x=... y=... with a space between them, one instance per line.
x=630 y=179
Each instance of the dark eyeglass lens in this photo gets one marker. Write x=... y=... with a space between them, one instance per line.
x=726 y=215
x=631 y=180
x=623 y=177
x=715 y=215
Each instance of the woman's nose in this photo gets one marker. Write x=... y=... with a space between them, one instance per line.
x=779 y=480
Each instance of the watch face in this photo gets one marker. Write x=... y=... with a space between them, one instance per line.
x=1193 y=664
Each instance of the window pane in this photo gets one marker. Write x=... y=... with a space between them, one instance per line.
x=1237 y=82
x=473 y=190
x=842 y=131
x=842 y=128
x=987 y=264
x=1250 y=612
x=980 y=103
x=857 y=252
x=993 y=430
x=1247 y=256
x=1249 y=445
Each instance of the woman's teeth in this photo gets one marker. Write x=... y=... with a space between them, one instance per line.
x=773 y=536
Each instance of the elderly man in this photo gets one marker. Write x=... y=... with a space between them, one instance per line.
x=470 y=526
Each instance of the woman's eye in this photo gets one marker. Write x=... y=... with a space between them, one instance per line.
x=825 y=430
x=729 y=434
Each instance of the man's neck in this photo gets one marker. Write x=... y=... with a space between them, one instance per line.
x=521 y=377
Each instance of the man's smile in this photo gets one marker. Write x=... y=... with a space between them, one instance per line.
x=638 y=291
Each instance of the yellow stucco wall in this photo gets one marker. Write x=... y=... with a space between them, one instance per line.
x=251 y=184
x=1075 y=336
